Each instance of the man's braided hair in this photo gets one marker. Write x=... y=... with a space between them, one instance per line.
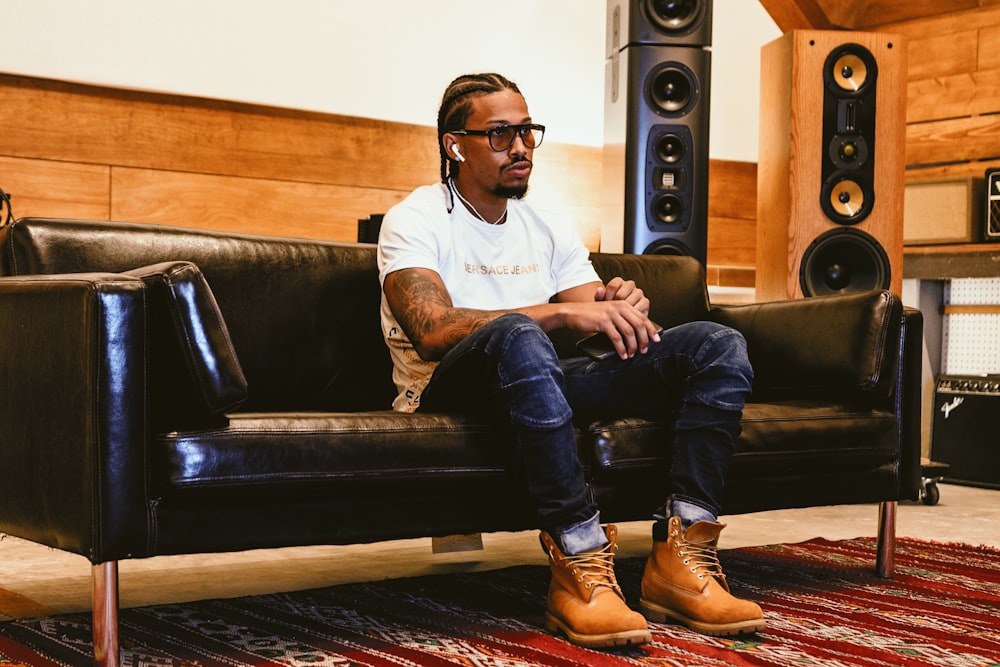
x=456 y=106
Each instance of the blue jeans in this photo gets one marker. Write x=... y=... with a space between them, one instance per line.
x=698 y=374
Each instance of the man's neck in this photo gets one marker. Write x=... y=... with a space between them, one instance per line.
x=487 y=207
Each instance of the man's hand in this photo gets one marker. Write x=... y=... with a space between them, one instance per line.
x=619 y=289
x=619 y=310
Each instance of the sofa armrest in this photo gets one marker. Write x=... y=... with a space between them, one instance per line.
x=845 y=344
x=73 y=454
x=194 y=371
x=909 y=402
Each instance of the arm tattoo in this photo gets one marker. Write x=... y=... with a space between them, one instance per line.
x=424 y=307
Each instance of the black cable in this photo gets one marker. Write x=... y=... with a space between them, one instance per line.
x=5 y=203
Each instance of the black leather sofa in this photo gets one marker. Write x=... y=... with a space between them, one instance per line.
x=168 y=390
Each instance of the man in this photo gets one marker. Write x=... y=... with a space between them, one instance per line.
x=472 y=279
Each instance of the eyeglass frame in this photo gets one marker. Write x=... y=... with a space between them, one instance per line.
x=520 y=131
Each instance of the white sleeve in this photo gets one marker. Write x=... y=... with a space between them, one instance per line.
x=571 y=263
x=407 y=240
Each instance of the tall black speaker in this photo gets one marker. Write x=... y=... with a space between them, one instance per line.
x=656 y=114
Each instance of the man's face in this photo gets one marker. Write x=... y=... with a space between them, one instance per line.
x=498 y=173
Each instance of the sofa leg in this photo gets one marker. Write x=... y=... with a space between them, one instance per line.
x=885 y=558
x=105 y=613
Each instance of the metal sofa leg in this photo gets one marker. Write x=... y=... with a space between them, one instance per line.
x=885 y=558
x=105 y=613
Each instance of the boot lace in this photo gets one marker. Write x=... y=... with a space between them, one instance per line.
x=702 y=558
x=595 y=568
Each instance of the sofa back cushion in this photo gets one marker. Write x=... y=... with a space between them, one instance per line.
x=674 y=284
x=303 y=315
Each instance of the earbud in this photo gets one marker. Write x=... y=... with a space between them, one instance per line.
x=458 y=154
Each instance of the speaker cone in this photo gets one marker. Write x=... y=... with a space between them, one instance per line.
x=669 y=148
x=846 y=200
x=674 y=15
x=668 y=208
x=850 y=68
x=672 y=89
x=667 y=246
x=844 y=260
x=850 y=72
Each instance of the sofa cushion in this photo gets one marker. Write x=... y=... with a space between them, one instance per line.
x=357 y=454
x=791 y=436
x=194 y=372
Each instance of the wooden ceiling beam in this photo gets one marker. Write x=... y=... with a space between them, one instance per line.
x=860 y=14
x=797 y=14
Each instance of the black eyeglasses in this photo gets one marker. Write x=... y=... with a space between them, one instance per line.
x=502 y=137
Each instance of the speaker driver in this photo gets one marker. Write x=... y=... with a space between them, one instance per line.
x=850 y=72
x=844 y=260
x=850 y=68
x=667 y=246
x=674 y=15
x=668 y=209
x=846 y=200
x=669 y=148
x=848 y=152
x=672 y=89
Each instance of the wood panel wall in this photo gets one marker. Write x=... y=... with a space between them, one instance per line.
x=953 y=93
x=73 y=150
x=86 y=151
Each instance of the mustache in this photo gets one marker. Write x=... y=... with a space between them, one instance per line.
x=518 y=159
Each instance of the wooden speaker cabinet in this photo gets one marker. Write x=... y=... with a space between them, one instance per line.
x=830 y=172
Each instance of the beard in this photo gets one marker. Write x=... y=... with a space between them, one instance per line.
x=511 y=191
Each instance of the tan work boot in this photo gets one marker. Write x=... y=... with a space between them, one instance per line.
x=585 y=602
x=683 y=581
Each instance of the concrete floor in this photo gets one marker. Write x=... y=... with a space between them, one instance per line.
x=36 y=580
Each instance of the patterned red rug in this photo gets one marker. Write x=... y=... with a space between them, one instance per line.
x=822 y=603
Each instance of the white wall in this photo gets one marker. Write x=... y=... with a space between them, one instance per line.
x=387 y=59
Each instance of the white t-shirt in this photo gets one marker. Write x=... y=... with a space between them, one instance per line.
x=523 y=262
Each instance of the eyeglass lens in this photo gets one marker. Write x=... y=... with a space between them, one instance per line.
x=502 y=138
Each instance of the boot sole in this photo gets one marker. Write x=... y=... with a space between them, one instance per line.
x=657 y=614
x=625 y=638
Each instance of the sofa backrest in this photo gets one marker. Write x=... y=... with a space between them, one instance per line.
x=675 y=284
x=303 y=315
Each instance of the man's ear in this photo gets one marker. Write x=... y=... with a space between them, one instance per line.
x=449 y=141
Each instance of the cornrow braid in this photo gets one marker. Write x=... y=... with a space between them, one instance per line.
x=456 y=106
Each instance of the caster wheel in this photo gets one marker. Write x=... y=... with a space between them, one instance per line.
x=931 y=494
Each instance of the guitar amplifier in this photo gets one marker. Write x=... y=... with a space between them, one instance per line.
x=991 y=231
x=966 y=431
x=943 y=211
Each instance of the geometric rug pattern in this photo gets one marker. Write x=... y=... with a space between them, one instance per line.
x=822 y=603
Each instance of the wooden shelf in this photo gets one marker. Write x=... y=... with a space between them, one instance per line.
x=959 y=260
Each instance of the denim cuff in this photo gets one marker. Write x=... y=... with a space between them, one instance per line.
x=688 y=512
x=584 y=536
